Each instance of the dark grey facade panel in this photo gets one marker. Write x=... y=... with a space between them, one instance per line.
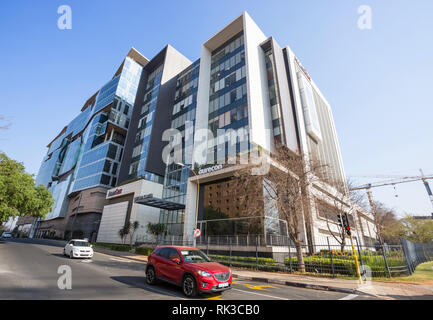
x=292 y=99
x=161 y=122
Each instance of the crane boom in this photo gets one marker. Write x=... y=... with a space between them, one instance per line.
x=407 y=179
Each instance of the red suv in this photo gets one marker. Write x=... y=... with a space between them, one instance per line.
x=189 y=268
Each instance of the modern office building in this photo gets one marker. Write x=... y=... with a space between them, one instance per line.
x=83 y=161
x=142 y=170
x=245 y=93
x=157 y=143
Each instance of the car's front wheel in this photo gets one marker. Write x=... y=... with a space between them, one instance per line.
x=150 y=276
x=189 y=286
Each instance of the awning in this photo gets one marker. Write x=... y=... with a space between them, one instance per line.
x=151 y=201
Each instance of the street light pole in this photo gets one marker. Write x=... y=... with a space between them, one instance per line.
x=197 y=198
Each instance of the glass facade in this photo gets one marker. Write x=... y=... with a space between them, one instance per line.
x=182 y=119
x=274 y=98
x=228 y=104
x=92 y=143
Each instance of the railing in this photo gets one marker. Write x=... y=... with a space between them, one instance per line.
x=323 y=258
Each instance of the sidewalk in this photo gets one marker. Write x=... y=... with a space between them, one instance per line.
x=380 y=289
x=383 y=290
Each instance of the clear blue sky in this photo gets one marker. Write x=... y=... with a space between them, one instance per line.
x=378 y=81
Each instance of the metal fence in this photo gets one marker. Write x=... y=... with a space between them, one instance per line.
x=325 y=257
x=416 y=253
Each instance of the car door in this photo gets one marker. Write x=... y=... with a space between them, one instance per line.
x=160 y=260
x=171 y=270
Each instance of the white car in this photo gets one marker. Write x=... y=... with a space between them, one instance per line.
x=6 y=235
x=77 y=248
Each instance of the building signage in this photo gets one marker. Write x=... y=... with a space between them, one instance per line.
x=115 y=192
x=210 y=169
x=303 y=69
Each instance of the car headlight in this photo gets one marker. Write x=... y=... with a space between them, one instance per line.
x=204 y=273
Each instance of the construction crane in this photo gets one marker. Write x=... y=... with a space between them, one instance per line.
x=395 y=180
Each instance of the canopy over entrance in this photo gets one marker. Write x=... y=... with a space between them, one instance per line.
x=151 y=201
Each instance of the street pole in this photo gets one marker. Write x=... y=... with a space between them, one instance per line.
x=358 y=273
x=197 y=199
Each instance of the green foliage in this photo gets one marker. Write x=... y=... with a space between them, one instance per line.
x=345 y=264
x=156 y=228
x=113 y=246
x=418 y=230
x=144 y=250
x=18 y=194
x=244 y=260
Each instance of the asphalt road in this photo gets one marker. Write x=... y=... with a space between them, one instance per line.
x=29 y=270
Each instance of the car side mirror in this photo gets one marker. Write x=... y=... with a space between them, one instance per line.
x=176 y=260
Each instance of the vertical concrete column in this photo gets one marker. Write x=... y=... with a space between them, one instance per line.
x=190 y=211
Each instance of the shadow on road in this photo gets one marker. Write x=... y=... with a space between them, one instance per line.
x=44 y=242
x=161 y=288
x=140 y=282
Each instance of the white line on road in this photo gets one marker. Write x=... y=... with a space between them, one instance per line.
x=260 y=294
x=121 y=260
x=349 y=297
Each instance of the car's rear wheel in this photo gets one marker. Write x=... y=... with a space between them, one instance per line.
x=150 y=276
x=189 y=286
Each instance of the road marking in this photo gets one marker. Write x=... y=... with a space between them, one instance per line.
x=121 y=260
x=215 y=298
x=349 y=297
x=260 y=294
x=254 y=287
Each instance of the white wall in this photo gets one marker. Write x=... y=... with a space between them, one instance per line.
x=112 y=220
x=259 y=113
x=115 y=214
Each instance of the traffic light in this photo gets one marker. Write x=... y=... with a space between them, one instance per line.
x=346 y=224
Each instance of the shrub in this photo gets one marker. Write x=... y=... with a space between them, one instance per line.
x=264 y=264
x=144 y=250
x=113 y=246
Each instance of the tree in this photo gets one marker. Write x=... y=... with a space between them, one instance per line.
x=18 y=194
x=156 y=228
x=132 y=229
x=383 y=218
x=285 y=190
x=417 y=230
x=344 y=201
x=123 y=233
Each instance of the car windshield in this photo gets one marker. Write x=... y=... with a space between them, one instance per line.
x=194 y=256
x=81 y=244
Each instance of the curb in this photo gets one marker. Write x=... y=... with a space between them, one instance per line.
x=301 y=285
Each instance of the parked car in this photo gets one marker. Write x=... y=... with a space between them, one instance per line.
x=78 y=248
x=6 y=235
x=188 y=268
